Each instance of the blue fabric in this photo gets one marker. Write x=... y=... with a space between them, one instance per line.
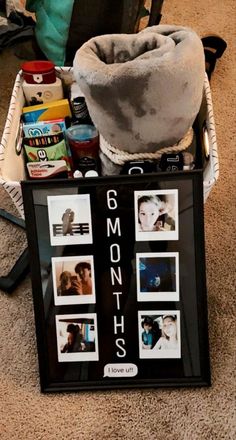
x=147 y=338
x=52 y=26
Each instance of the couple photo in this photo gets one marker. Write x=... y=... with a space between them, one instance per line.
x=159 y=334
x=77 y=337
x=73 y=280
x=156 y=215
x=70 y=219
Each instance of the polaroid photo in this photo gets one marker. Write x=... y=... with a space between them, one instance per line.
x=157 y=276
x=77 y=339
x=156 y=215
x=70 y=219
x=73 y=280
x=159 y=334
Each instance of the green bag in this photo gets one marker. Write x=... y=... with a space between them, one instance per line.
x=63 y=26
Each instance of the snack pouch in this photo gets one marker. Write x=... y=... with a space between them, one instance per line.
x=47 y=148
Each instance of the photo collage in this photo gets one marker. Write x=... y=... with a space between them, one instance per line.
x=157 y=275
x=156 y=218
x=73 y=277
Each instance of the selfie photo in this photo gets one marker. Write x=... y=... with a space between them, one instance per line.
x=159 y=334
x=156 y=215
x=73 y=280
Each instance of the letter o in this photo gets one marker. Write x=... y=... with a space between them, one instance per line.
x=115 y=254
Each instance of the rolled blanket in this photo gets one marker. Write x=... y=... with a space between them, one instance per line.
x=144 y=90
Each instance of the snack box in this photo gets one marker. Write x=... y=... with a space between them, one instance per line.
x=43 y=112
x=41 y=128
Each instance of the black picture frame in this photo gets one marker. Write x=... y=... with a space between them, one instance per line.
x=94 y=335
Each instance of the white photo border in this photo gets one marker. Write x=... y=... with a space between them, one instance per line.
x=75 y=239
x=159 y=354
x=78 y=356
x=73 y=299
x=156 y=235
x=157 y=296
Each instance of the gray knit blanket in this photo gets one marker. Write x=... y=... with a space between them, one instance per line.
x=143 y=91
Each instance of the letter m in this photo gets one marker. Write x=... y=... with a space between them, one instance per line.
x=114 y=228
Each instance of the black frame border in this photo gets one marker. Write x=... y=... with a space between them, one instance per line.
x=198 y=214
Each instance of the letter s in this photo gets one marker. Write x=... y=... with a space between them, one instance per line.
x=123 y=351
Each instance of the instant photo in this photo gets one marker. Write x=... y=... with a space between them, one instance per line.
x=159 y=334
x=77 y=339
x=156 y=215
x=73 y=280
x=157 y=276
x=113 y=308
x=70 y=219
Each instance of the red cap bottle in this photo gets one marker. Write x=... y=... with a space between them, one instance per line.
x=39 y=72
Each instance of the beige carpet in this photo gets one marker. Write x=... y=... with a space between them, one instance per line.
x=178 y=414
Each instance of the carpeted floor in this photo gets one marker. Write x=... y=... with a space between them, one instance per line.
x=182 y=414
